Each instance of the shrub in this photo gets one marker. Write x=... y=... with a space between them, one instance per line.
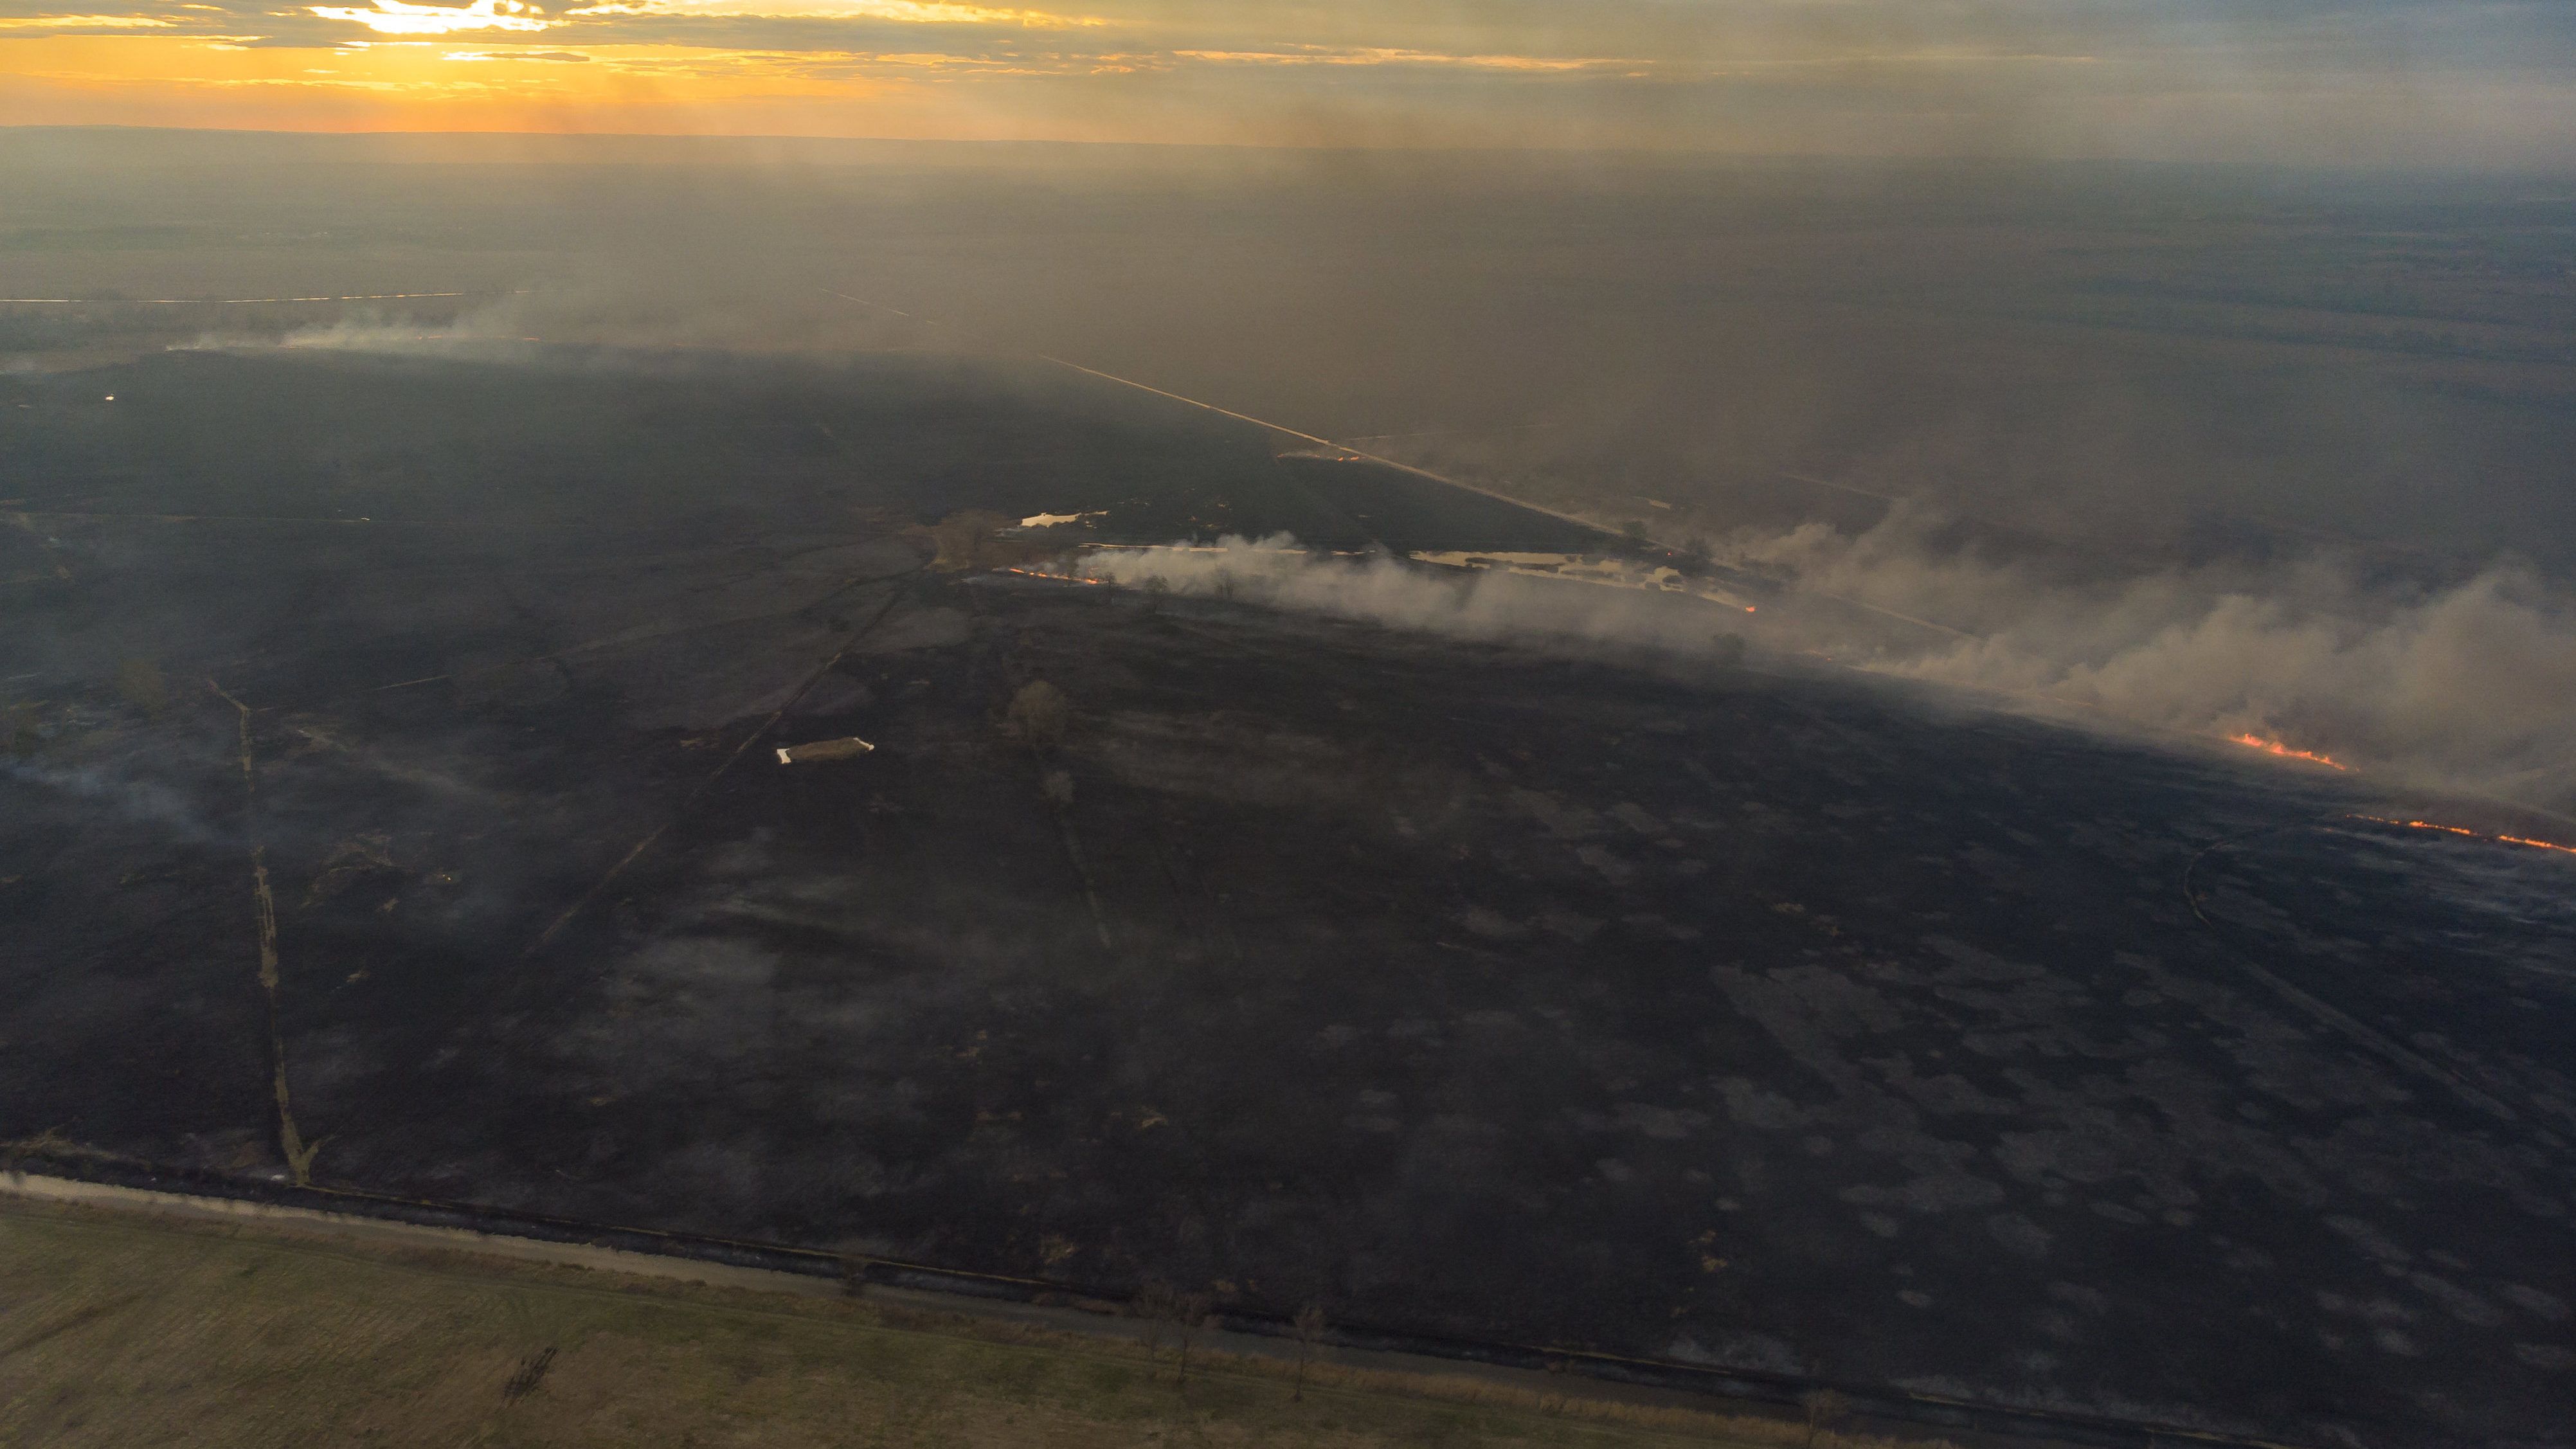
x=1039 y=714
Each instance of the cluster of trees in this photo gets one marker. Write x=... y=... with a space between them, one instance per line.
x=1039 y=714
x=972 y=539
x=965 y=539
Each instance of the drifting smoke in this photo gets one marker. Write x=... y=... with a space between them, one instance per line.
x=2462 y=686
x=1484 y=606
x=623 y=305
x=620 y=307
x=144 y=802
x=487 y=333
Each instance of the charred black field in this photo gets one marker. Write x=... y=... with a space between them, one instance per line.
x=392 y=804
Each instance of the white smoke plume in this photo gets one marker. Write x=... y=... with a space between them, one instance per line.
x=145 y=802
x=1485 y=606
x=613 y=306
x=2468 y=685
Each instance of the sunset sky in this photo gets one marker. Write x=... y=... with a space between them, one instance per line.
x=2423 y=81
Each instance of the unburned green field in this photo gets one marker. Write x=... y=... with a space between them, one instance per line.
x=126 y=1329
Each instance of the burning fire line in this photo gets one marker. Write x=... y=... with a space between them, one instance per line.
x=1060 y=578
x=2275 y=747
x=2471 y=834
x=2269 y=747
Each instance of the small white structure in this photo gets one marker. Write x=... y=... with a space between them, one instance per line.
x=840 y=749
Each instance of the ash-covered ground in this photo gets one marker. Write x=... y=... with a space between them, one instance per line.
x=1713 y=1009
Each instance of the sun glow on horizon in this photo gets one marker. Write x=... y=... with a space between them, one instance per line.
x=905 y=12
x=402 y=17
x=1854 y=77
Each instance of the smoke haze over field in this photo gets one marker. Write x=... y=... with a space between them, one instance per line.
x=2204 y=448
x=2464 y=684
x=2461 y=687
x=1676 y=581
x=1490 y=607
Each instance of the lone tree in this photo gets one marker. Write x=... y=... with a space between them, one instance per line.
x=1308 y=1325
x=1153 y=1305
x=19 y=728
x=1824 y=1407
x=1039 y=714
x=1189 y=1315
x=139 y=680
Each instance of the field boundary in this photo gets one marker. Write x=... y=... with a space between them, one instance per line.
x=394 y=1222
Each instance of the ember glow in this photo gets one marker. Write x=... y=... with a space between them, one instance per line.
x=2471 y=834
x=2275 y=747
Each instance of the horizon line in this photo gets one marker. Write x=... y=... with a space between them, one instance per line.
x=1647 y=153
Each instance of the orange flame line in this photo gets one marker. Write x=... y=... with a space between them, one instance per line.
x=1061 y=578
x=2275 y=747
x=2471 y=834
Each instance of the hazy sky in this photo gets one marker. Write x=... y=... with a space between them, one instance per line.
x=2480 y=82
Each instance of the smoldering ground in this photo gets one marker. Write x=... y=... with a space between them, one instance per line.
x=127 y=798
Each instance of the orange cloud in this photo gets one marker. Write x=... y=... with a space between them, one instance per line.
x=81 y=22
x=910 y=12
x=1629 y=73
x=1376 y=55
